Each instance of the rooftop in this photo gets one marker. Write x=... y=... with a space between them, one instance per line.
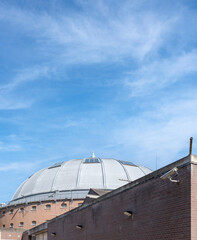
x=73 y=179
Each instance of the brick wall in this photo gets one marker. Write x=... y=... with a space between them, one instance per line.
x=40 y=215
x=12 y=234
x=193 y=201
x=161 y=210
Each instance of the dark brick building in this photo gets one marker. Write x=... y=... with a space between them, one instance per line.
x=154 y=207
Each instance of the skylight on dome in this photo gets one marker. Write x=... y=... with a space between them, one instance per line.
x=56 y=165
x=92 y=160
x=126 y=163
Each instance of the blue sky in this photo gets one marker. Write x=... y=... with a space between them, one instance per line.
x=114 y=77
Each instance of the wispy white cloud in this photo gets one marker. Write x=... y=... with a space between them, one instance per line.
x=65 y=122
x=137 y=36
x=86 y=37
x=161 y=74
x=9 y=147
x=17 y=166
x=25 y=75
x=15 y=143
x=163 y=131
x=30 y=165
x=8 y=100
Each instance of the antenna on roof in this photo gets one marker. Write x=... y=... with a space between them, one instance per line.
x=190 y=145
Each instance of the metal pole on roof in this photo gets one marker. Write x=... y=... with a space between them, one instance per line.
x=190 y=145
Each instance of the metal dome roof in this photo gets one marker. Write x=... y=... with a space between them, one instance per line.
x=73 y=179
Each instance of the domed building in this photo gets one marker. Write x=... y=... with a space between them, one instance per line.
x=64 y=186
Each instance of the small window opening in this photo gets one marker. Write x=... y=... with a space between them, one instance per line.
x=33 y=208
x=33 y=223
x=63 y=205
x=48 y=206
x=22 y=209
x=21 y=224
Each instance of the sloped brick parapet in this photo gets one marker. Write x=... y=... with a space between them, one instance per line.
x=159 y=209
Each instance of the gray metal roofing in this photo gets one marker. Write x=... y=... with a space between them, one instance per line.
x=77 y=175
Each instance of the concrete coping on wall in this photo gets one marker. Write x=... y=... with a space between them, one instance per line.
x=190 y=159
x=38 y=229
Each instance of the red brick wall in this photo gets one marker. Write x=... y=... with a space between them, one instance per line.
x=161 y=211
x=41 y=214
x=12 y=235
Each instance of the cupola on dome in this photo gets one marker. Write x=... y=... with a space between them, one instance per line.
x=73 y=179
